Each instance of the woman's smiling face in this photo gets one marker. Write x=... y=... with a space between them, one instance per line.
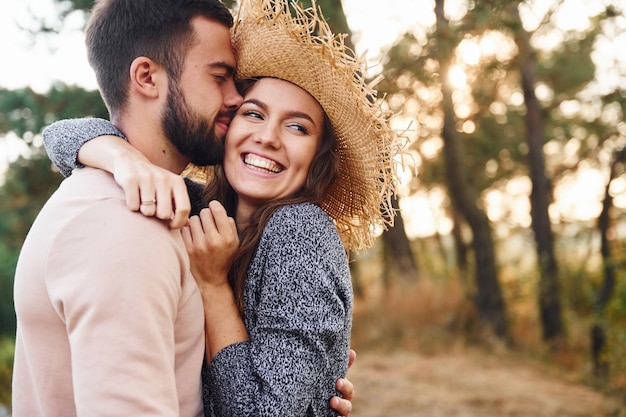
x=271 y=143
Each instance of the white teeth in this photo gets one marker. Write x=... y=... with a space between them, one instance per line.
x=261 y=164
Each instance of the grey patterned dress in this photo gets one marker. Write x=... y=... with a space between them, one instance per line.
x=297 y=302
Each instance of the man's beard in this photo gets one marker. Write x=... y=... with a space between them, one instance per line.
x=193 y=135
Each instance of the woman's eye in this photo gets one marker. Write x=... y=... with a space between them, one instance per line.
x=299 y=128
x=252 y=113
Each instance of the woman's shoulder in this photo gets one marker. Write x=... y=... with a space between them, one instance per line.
x=300 y=211
x=301 y=222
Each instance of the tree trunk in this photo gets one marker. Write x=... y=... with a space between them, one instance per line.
x=460 y=247
x=489 y=300
x=357 y=284
x=400 y=264
x=548 y=291
x=598 y=329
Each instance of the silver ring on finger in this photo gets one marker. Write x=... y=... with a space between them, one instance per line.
x=149 y=202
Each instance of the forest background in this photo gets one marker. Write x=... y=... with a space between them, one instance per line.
x=511 y=235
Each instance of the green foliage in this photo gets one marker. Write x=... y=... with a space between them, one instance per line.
x=575 y=55
x=7 y=347
x=25 y=111
x=414 y=79
x=616 y=321
x=8 y=259
x=82 y=5
x=28 y=184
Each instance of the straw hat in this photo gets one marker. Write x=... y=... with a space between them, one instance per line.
x=273 y=38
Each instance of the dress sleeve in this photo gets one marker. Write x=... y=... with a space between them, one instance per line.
x=298 y=315
x=64 y=138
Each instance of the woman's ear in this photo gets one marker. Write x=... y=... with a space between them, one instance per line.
x=147 y=77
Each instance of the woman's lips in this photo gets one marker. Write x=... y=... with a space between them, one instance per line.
x=261 y=163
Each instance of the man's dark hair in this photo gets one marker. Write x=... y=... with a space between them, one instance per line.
x=119 y=31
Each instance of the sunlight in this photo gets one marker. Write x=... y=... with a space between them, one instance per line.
x=424 y=214
x=579 y=196
x=510 y=204
x=469 y=52
x=468 y=127
x=569 y=16
x=431 y=147
x=569 y=108
x=618 y=192
x=457 y=77
x=462 y=110
x=543 y=92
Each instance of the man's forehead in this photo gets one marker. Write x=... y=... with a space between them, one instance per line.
x=213 y=42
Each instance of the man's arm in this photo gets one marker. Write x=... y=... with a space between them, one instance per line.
x=120 y=296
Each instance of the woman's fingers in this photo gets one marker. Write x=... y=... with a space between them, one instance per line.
x=182 y=205
x=224 y=224
x=154 y=191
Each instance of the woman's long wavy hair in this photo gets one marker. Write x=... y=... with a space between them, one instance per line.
x=321 y=175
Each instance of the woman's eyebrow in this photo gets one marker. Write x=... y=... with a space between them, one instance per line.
x=290 y=113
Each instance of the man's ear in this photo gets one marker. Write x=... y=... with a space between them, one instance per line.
x=147 y=77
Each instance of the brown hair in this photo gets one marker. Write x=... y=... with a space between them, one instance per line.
x=322 y=173
x=118 y=31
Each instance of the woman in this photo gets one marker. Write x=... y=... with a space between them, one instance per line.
x=307 y=175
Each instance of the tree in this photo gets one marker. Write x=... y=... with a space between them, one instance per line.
x=489 y=299
x=549 y=290
x=398 y=257
x=599 y=328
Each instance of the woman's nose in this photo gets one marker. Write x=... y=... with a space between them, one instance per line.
x=268 y=135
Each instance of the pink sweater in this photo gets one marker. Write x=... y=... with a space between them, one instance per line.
x=110 y=320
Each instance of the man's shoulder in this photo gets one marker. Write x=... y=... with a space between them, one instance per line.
x=91 y=182
x=92 y=200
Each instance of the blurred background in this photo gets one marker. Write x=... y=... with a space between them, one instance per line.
x=505 y=273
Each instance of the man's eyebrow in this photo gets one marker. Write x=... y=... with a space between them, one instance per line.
x=230 y=70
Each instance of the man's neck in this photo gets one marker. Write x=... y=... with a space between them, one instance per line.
x=152 y=143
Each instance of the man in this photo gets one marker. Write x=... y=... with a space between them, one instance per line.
x=108 y=313
x=109 y=316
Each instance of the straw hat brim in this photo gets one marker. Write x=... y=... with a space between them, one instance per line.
x=300 y=48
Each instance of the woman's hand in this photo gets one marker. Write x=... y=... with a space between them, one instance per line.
x=211 y=240
x=152 y=190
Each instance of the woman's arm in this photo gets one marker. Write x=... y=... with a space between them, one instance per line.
x=211 y=240
x=298 y=315
x=63 y=140
x=207 y=239
x=74 y=143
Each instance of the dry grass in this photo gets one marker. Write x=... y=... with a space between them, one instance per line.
x=467 y=385
x=420 y=353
